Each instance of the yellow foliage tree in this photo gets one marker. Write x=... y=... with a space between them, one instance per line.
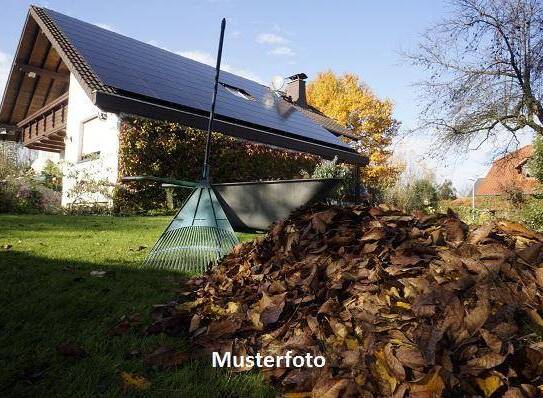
x=352 y=103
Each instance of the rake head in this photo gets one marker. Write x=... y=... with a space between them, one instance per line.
x=197 y=237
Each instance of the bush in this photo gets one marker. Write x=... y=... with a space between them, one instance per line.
x=514 y=195
x=536 y=162
x=52 y=176
x=172 y=150
x=21 y=191
x=532 y=215
x=24 y=194
x=420 y=194
x=332 y=169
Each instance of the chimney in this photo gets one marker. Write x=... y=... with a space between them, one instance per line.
x=296 y=89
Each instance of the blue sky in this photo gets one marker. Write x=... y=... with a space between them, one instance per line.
x=270 y=38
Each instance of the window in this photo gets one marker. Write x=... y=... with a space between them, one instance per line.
x=239 y=92
x=92 y=138
x=525 y=170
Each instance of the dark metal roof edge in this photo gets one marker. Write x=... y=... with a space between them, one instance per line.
x=77 y=65
x=118 y=103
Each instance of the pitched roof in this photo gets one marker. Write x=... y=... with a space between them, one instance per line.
x=121 y=74
x=506 y=173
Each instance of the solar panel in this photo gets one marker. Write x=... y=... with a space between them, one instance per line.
x=140 y=68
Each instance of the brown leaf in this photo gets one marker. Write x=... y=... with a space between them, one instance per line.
x=384 y=377
x=410 y=357
x=487 y=361
x=165 y=357
x=71 y=350
x=393 y=363
x=532 y=254
x=330 y=388
x=455 y=230
x=431 y=385
x=476 y=318
x=493 y=342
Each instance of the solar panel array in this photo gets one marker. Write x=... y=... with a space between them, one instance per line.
x=143 y=69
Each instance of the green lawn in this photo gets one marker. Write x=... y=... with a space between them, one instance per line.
x=49 y=297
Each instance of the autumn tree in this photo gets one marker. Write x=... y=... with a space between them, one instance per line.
x=485 y=73
x=352 y=103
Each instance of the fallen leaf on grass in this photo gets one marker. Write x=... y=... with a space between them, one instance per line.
x=137 y=249
x=133 y=381
x=125 y=324
x=71 y=350
x=165 y=357
x=100 y=273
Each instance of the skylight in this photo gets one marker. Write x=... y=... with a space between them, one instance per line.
x=238 y=92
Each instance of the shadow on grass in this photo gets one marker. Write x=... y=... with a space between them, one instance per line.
x=46 y=302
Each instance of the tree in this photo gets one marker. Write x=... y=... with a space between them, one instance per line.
x=485 y=64
x=536 y=162
x=352 y=104
x=446 y=190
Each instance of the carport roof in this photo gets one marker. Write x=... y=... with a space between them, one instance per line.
x=124 y=75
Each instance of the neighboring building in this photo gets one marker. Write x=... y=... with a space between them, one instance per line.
x=71 y=84
x=509 y=172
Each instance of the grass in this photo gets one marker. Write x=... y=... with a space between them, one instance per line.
x=490 y=208
x=48 y=297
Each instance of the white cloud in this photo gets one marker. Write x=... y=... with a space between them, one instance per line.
x=199 y=56
x=270 y=38
x=206 y=58
x=5 y=65
x=107 y=27
x=283 y=50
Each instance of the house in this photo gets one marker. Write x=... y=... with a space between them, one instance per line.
x=509 y=172
x=72 y=83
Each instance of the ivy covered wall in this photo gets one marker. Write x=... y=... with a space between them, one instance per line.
x=163 y=149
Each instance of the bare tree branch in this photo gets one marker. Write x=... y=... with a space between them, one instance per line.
x=485 y=71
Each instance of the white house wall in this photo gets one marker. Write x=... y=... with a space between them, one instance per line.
x=101 y=134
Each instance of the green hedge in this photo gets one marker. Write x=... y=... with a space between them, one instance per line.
x=162 y=149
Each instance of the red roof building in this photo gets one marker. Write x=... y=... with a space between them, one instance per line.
x=509 y=172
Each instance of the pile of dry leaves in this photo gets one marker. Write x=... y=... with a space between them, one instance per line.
x=399 y=305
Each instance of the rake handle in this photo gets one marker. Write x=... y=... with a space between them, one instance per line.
x=205 y=172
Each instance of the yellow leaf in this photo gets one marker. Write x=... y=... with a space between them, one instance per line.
x=188 y=305
x=431 y=384
x=387 y=382
x=134 y=381
x=405 y=306
x=489 y=385
x=307 y=394
x=351 y=344
x=232 y=307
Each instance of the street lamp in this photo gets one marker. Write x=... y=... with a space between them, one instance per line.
x=474 y=180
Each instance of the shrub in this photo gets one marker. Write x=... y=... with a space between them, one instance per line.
x=536 y=162
x=514 y=195
x=420 y=194
x=332 y=169
x=532 y=215
x=163 y=149
x=52 y=176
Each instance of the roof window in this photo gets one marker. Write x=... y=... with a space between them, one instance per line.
x=238 y=92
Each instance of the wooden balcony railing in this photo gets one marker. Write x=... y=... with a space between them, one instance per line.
x=45 y=129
